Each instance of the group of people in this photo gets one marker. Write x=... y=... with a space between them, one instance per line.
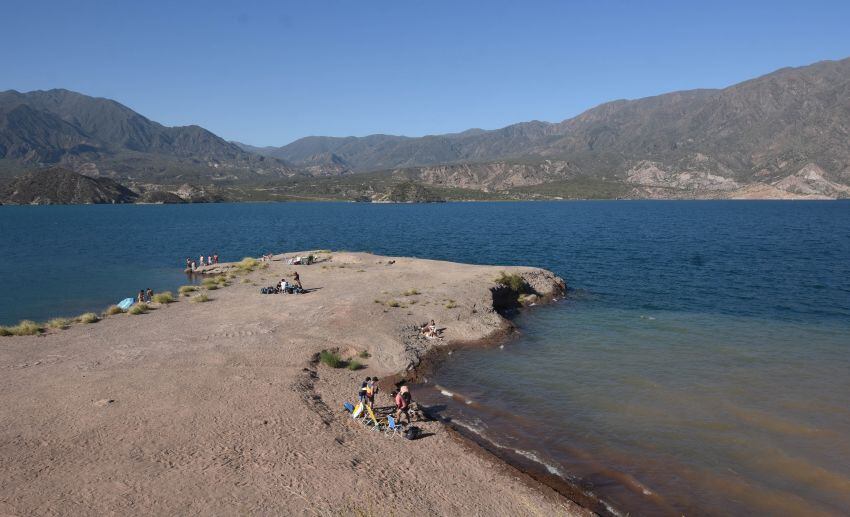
x=145 y=295
x=296 y=281
x=295 y=287
x=210 y=260
x=402 y=398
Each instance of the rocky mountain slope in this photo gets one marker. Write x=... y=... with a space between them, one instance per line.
x=782 y=135
x=100 y=137
x=770 y=132
x=61 y=186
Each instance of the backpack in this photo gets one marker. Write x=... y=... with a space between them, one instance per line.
x=412 y=432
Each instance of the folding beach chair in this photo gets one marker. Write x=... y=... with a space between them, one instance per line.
x=371 y=420
x=393 y=427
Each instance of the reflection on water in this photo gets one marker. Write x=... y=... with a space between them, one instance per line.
x=669 y=412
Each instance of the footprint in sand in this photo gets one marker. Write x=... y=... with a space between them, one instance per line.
x=104 y=402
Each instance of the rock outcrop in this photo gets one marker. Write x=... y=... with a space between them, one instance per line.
x=59 y=186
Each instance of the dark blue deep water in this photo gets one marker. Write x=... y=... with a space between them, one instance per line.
x=701 y=363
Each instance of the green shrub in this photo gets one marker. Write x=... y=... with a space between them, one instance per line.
x=139 y=308
x=512 y=281
x=59 y=323
x=206 y=282
x=451 y=304
x=331 y=359
x=353 y=365
x=212 y=287
x=112 y=310
x=411 y=292
x=221 y=279
x=247 y=264
x=378 y=301
x=393 y=303
x=246 y=281
x=186 y=289
x=26 y=328
x=88 y=317
x=364 y=354
x=4 y=331
x=164 y=297
x=201 y=298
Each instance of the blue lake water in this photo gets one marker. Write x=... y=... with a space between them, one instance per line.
x=700 y=364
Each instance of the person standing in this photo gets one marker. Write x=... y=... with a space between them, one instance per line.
x=141 y=297
x=402 y=403
x=373 y=391
x=201 y=261
x=149 y=295
x=361 y=394
x=297 y=280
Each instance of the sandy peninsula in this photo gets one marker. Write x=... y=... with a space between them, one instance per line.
x=220 y=408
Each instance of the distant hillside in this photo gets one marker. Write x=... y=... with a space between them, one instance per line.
x=101 y=137
x=782 y=135
x=61 y=186
x=787 y=132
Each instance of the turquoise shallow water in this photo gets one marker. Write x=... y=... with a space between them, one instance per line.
x=699 y=365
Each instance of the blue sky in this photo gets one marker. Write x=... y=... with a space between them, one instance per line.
x=267 y=73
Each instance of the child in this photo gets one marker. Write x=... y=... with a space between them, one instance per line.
x=370 y=393
x=374 y=391
x=361 y=395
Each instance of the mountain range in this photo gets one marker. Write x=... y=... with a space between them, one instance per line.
x=101 y=137
x=782 y=135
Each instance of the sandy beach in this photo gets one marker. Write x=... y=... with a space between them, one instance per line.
x=220 y=408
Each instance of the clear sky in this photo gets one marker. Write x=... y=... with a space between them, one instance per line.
x=266 y=73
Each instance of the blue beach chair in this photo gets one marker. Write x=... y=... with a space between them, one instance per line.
x=393 y=427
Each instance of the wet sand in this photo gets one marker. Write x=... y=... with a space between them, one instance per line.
x=220 y=407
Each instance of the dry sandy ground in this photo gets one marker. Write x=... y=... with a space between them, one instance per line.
x=216 y=408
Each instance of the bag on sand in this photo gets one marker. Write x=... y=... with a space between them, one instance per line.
x=412 y=433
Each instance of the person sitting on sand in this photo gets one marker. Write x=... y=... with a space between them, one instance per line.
x=141 y=297
x=149 y=295
x=283 y=285
x=429 y=330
